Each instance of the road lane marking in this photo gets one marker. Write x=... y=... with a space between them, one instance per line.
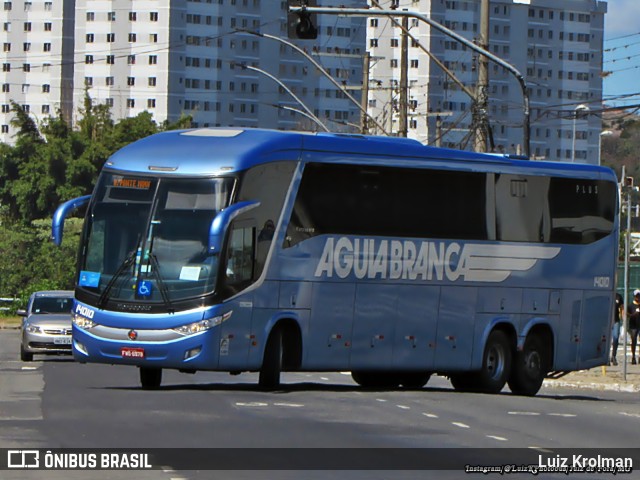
x=532 y=414
x=540 y=449
x=637 y=415
x=461 y=425
x=430 y=415
x=501 y=439
x=251 y=404
x=324 y=378
x=29 y=368
x=403 y=407
x=294 y=405
x=562 y=414
x=380 y=400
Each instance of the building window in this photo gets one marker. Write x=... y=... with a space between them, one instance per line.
x=414 y=63
x=91 y=16
x=131 y=103
x=151 y=103
x=394 y=63
x=394 y=42
x=45 y=109
x=131 y=81
x=109 y=81
x=373 y=42
x=27 y=6
x=88 y=59
x=7 y=6
x=47 y=26
x=46 y=47
x=153 y=59
x=27 y=26
x=5 y=128
x=111 y=37
x=6 y=47
x=111 y=16
x=88 y=81
x=153 y=16
x=111 y=59
x=6 y=67
x=132 y=37
x=26 y=46
x=26 y=67
x=131 y=60
x=89 y=38
x=108 y=102
x=46 y=88
x=6 y=88
x=133 y=16
x=6 y=108
x=153 y=38
x=48 y=6
x=373 y=22
x=7 y=26
x=152 y=81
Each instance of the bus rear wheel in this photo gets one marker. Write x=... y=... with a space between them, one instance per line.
x=496 y=363
x=269 y=377
x=150 y=378
x=530 y=367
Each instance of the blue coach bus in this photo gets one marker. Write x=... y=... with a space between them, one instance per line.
x=254 y=250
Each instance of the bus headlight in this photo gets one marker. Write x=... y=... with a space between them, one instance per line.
x=195 y=327
x=83 y=322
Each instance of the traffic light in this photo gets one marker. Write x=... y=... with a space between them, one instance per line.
x=628 y=182
x=301 y=24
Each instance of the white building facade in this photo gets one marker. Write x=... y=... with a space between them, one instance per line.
x=557 y=46
x=174 y=58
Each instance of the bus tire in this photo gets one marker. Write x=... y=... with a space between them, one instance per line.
x=150 y=378
x=530 y=367
x=24 y=355
x=269 y=377
x=496 y=363
x=414 y=380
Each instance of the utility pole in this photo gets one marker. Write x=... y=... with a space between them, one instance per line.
x=481 y=104
x=364 y=101
x=404 y=83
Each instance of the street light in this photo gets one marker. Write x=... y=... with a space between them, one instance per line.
x=580 y=108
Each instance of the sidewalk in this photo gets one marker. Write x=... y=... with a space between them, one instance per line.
x=602 y=378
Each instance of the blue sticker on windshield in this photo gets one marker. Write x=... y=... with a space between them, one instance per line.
x=144 y=288
x=89 y=279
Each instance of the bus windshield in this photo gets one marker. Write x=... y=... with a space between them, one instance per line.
x=147 y=237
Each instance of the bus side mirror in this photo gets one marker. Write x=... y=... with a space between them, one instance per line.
x=223 y=219
x=57 y=224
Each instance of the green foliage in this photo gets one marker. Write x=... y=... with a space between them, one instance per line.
x=51 y=162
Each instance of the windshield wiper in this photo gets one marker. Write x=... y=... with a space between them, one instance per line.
x=127 y=262
x=164 y=291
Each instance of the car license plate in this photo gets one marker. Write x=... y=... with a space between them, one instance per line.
x=132 y=352
x=62 y=341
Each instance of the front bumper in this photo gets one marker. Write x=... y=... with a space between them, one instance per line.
x=45 y=343
x=150 y=348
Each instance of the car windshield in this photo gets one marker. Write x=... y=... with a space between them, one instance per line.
x=147 y=238
x=51 y=305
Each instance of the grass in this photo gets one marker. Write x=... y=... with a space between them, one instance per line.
x=10 y=322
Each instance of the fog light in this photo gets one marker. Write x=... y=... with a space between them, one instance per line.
x=192 y=353
x=80 y=347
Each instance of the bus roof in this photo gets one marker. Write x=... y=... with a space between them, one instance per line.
x=215 y=151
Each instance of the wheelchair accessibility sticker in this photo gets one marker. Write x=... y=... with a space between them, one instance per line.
x=144 y=288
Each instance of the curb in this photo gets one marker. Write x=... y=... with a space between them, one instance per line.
x=612 y=387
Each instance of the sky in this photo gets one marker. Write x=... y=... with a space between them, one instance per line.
x=622 y=53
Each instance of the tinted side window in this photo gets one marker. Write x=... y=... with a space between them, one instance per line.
x=384 y=201
x=582 y=211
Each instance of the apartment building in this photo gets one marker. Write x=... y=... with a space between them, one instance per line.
x=177 y=58
x=557 y=46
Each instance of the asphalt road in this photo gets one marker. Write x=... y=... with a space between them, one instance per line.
x=55 y=403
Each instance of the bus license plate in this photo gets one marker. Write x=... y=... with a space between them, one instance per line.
x=132 y=352
x=62 y=341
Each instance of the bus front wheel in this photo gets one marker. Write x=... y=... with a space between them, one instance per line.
x=150 y=378
x=269 y=377
x=530 y=367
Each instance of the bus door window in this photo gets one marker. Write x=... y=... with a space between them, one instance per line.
x=240 y=255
